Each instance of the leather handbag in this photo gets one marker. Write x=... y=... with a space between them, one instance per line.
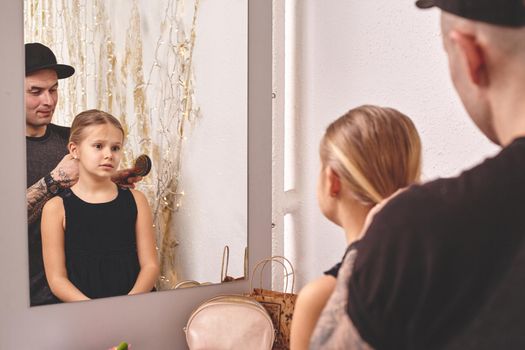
x=230 y=322
x=280 y=305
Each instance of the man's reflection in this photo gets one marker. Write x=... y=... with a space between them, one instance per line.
x=50 y=168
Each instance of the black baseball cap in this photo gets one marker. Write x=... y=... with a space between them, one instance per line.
x=39 y=57
x=508 y=13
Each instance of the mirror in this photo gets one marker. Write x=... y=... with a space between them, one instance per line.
x=174 y=72
x=148 y=321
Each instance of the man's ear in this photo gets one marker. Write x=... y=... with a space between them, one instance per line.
x=334 y=182
x=473 y=56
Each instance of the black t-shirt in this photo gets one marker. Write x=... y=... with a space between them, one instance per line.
x=443 y=264
x=45 y=152
x=43 y=155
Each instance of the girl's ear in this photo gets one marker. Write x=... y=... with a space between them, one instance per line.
x=334 y=182
x=73 y=149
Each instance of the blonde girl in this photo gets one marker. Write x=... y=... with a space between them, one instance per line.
x=366 y=155
x=97 y=237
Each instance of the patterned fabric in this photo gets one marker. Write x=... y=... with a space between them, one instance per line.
x=334 y=329
x=280 y=306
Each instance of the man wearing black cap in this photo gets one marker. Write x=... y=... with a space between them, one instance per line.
x=442 y=265
x=49 y=166
x=46 y=143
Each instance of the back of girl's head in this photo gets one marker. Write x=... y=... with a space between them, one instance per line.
x=374 y=150
x=89 y=118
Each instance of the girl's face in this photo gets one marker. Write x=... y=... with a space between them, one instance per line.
x=100 y=150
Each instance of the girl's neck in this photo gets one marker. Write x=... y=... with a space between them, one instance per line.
x=94 y=190
x=352 y=219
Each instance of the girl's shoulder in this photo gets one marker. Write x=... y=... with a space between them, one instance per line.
x=54 y=205
x=55 y=201
x=136 y=193
x=139 y=197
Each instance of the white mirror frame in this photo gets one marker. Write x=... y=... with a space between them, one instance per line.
x=148 y=321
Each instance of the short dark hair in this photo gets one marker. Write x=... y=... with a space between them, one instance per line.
x=508 y=13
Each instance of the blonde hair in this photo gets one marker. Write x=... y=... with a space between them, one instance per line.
x=375 y=150
x=89 y=118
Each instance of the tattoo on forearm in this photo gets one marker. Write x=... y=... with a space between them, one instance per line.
x=335 y=329
x=36 y=197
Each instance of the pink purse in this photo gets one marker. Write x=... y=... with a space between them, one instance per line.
x=229 y=322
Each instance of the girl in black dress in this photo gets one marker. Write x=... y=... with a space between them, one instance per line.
x=98 y=238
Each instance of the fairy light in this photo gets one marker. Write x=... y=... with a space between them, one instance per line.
x=112 y=78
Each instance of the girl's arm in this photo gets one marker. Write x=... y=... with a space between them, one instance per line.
x=148 y=260
x=308 y=307
x=52 y=228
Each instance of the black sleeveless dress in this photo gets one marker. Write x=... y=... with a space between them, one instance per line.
x=100 y=244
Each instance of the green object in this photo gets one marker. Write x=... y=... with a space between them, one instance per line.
x=122 y=346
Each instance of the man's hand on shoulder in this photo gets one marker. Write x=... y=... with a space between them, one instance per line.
x=66 y=172
x=64 y=175
x=377 y=208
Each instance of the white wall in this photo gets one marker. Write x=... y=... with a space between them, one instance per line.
x=380 y=52
x=214 y=170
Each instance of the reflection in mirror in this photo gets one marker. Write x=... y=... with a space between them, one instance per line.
x=174 y=73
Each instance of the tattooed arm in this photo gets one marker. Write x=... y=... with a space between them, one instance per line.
x=65 y=174
x=334 y=328
x=36 y=197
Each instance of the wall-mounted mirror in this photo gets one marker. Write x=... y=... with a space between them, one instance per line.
x=175 y=73
x=147 y=321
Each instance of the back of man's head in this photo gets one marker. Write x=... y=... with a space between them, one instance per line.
x=500 y=22
x=485 y=44
x=507 y=13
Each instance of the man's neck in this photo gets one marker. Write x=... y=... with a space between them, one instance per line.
x=509 y=115
x=32 y=131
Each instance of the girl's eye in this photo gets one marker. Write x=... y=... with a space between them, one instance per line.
x=98 y=146
x=115 y=148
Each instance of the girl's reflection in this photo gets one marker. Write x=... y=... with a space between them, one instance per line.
x=98 y=238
